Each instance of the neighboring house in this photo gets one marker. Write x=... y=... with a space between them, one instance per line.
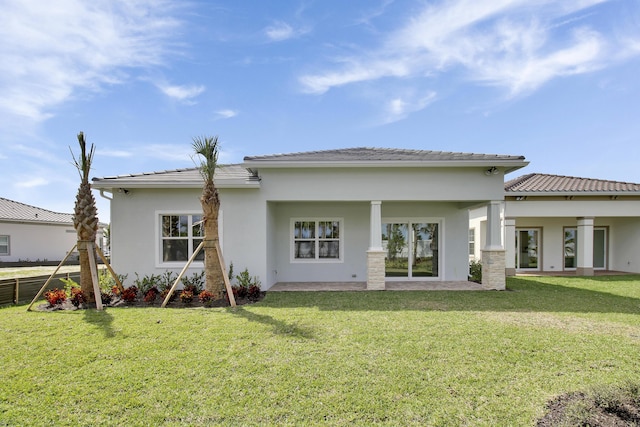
x=32 y=234
x=351 y=215
x=557 y=223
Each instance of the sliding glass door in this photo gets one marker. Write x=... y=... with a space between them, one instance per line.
x=527 y=249
x=412 y=249
x=599 y=248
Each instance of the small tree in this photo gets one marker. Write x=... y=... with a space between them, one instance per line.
x=207 y=147
x=85 y=217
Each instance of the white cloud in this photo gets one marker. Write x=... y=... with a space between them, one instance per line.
x=400 y=107
x=225 y=114
x=518 y=45
x=114 y=153
x=181 y=93
x=280 y=31
x=52 y=50
x=32 y=182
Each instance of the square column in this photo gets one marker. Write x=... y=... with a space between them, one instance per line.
x=584 y=247
x=493 y=254
x=510 y=246
x=375 y=254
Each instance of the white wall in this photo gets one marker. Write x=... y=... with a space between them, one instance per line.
x=37 y=242
x=624 y=243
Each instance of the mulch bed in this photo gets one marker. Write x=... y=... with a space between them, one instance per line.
x=139 y=302
x=581 y=409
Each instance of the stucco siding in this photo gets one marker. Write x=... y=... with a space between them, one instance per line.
x=572 y=208
x=392 y=184
x=37 y=242
x=625 y=245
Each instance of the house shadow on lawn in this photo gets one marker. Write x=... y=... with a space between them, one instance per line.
x=279 y=327
x=101 y=319
x=523 y=294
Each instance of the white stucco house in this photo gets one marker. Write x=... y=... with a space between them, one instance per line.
x=30 y=234
x=554 y=223
x=367 y=215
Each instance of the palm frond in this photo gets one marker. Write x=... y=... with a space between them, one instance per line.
x=84 y=160
x=207 y=147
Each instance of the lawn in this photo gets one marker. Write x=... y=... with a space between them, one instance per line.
x=342 y=358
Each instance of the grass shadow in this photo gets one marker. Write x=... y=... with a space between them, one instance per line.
x=279 y=327
x=540 y=294
x=101 y=319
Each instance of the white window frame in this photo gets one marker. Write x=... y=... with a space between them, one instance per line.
x=8 y=245
x=317 y=259
x=472 y=241
x=159 y=238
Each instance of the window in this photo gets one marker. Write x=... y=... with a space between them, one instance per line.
x=316 y=240
x=599 y=248
x=472 y=242
x=180 y=235
x=4 y=245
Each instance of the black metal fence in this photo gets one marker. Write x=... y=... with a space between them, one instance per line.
x=23 y=289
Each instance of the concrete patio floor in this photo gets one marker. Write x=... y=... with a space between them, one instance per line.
x=362 y=286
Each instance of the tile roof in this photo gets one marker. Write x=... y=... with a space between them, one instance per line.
x=186 y=177
x=544 y=183
x=365 y=154
x=16 y=211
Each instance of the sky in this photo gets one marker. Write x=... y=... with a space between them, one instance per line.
x=555 y=81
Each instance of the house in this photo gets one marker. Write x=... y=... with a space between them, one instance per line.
x=554 y=223
x=368 y=215
x=31 y=234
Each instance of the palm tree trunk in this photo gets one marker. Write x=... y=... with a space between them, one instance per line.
x=214 y=281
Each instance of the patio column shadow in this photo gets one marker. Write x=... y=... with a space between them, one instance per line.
x=102 y=320
x=279 y=327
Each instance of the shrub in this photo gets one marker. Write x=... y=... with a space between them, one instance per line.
x=107 y=283
x=151 y=294
x=145 y=283
x=254 y=291
x=475 y=271
x=130 y=294
x=205 y=297
x=55 y=296
x=165 y=292
x=107 y=297
x=246 y=286
x=194 y=283
x=186 y=296
x=77 y=297
x=166 y=280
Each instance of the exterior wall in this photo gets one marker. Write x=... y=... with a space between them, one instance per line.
x=37 y=242
x=390 y=184
x=624 y=244
x=135 y=230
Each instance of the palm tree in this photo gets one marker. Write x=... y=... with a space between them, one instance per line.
x=85 y=218
x=207 y=147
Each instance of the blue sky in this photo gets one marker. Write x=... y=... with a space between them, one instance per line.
x=555 y=81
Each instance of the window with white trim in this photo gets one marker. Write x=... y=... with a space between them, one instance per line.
x=316 y=240
x=4 y=245
x=180 y=235
x=472 y=241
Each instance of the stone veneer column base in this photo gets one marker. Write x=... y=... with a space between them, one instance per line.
x=493 y=269
x=584 y=271
x=510 y=272
x=375 y=270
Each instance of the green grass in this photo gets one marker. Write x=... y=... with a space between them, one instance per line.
x=342 y=358
x=19 y=272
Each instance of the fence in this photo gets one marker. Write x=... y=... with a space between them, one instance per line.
x=23 y=289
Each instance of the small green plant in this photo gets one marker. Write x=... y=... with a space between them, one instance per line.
x=165 y=281
x=475 y=271
x=246 y=286
x=55 y=296
x=194 y=283
x=107 y=282
x=147 y=282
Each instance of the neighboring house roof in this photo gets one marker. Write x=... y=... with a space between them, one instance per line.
x=226 y=176
x=367 y=156
x=544 y=184
x=19 y=212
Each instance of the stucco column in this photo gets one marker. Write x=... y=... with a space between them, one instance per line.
x=510 y=246
x=375 y=253
x=493 y=254
x=584 y=247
